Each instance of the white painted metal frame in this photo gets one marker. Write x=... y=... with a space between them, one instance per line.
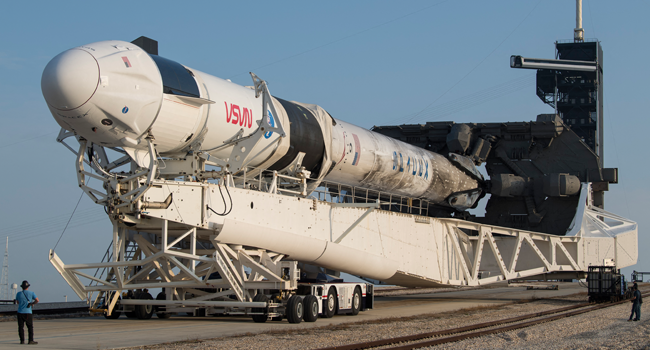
x=544 y=253
x=502 y=259
x=136 y=189
x=159 y=265
x=592 y=221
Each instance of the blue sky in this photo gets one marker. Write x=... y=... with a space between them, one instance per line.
x=366 y=62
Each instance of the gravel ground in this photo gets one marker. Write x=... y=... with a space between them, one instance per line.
x=602 y=329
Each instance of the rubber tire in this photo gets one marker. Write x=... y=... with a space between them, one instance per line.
x=114 y=316
x=295 y=309
x=260 y=318
x=160 y=310
x=356 y=301
x=310 y=304
x=330 y=305
x=144 y=312
x=131 y=314
x=116 y=313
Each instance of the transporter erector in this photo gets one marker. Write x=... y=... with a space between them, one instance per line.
x=234 y=201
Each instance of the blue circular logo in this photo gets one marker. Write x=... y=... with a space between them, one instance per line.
x=272 y=123
x=125 y=109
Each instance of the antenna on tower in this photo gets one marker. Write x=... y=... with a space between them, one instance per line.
x=4 y=281
x=578 y=32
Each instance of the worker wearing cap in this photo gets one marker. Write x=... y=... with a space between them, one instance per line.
x=25 y=300
x=636 y=303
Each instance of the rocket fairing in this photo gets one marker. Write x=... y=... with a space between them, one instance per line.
x=114 y=94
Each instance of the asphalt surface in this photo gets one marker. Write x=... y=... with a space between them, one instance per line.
x=100 y=333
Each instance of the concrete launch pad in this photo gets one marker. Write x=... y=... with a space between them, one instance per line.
x=100 y=333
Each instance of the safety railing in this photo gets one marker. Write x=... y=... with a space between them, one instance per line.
x=338 y=193
x=327 y=191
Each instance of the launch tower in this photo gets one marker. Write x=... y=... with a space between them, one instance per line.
x=577 y=96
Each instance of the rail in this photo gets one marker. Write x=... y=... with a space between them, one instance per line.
x=327 y=191
x=476 y=330
x=569 y=41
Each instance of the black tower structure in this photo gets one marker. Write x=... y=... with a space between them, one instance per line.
x=577 y=96
x=536 y=169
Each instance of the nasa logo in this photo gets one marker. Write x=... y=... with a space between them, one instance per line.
x=235 y=115
x=125 y=109
x=271 y=122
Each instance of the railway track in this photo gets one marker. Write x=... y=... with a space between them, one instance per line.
x=477 y=330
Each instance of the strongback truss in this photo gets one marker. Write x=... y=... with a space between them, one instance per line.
x=197 y=269
x=490 y=254
x=495 y=254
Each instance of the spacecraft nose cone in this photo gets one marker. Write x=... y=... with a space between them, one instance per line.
x=70 y=79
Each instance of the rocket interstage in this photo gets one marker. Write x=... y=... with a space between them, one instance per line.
x=114 y=94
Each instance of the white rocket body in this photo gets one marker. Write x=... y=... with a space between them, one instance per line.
x=113 y=94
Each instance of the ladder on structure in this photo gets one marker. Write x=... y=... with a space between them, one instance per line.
x=108 y=274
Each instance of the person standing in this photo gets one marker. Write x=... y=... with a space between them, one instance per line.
x=25 y=300
x=636 y=303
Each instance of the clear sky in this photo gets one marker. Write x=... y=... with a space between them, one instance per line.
x=366 y=62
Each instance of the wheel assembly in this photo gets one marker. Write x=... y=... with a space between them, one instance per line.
x=160 y=310
x=260 y=318
x=330 y=304
x=310 y=303
x=356 y=301
x=295 y=309
x=144 y=312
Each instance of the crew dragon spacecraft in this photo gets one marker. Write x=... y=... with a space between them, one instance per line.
x=114 y=94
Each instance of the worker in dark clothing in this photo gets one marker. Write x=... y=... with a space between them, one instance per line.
x=25 y=300
x=636 y=303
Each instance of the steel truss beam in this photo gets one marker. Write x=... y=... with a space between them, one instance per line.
x=549 y=254
x=159 y=263
x=468 y=262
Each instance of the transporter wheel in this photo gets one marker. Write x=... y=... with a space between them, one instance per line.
x=144 y=312
x=330 y=304
x=114 y=315
x=116 y=312
x=295 y=309
x=356 y=301
x=260 y=318
x=160 y=310
x=310 y=304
